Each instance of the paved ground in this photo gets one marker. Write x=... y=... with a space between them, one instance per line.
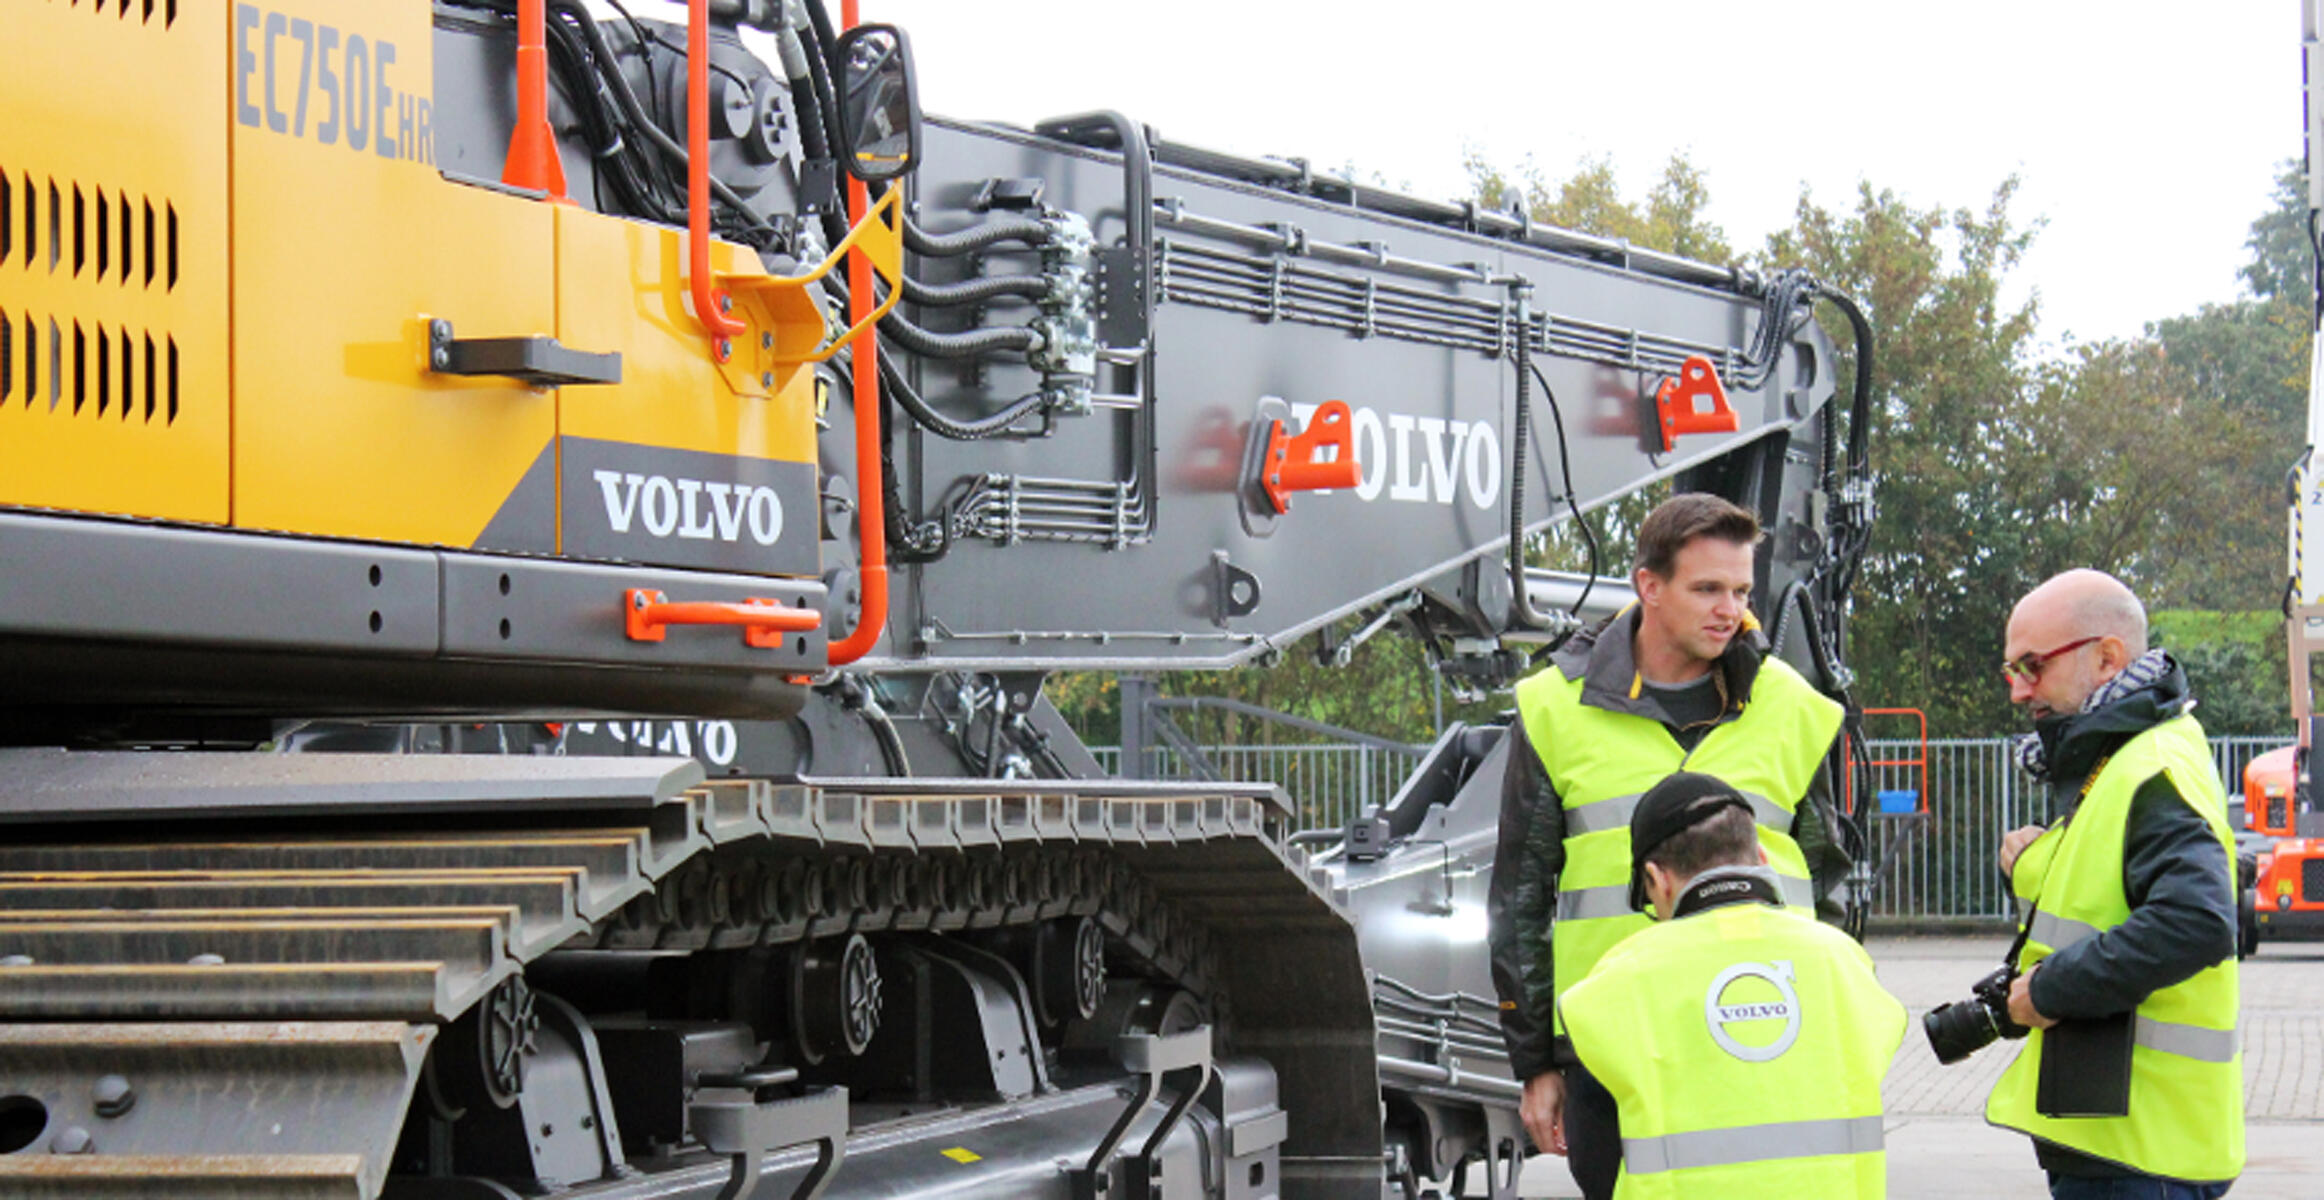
x=1940 y=1147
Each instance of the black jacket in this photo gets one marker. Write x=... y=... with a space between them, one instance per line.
x=1531 y=850
x=2176 y=875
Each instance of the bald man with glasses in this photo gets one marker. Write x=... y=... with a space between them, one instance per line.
x=2127 y=910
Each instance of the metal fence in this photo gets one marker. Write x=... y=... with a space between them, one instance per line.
x=1931 y=862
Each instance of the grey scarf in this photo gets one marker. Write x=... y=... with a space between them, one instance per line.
x=2143 y=671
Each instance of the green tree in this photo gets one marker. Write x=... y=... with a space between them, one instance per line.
x=1952 y=373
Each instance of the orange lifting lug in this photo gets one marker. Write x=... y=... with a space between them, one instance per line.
x=648 y=614
x=1293 y=464
x=1676 y=402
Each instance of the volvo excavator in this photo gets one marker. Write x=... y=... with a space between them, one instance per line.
x=530 y=540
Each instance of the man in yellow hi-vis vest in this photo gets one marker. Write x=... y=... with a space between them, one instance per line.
x=1680 y=680
x=1743 y=1042
x=2127 y=971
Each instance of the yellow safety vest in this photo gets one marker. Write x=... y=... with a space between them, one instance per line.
x=1601 y=762
x=1744 y=1046
x=2186 y=1063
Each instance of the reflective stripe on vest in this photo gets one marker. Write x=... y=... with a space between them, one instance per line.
x=2185 y=1118
x=1615 y=813
x=2058 y=932
x=1750 y=1144
x=2187 y=1041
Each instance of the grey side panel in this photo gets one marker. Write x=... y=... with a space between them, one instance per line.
x=1433 y=403
x=128 y=614
x=61 y=577
x=546 y=610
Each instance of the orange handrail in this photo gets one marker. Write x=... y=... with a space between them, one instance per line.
x=648 y=614
x=709 y=302
x=871 y=507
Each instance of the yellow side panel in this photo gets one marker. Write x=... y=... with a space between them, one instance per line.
x=346 y=244
x=687 y=462
x=113 y=272
x=622 y=286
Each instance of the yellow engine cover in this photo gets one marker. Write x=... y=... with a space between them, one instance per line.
x=248 y=344
x=113 y=260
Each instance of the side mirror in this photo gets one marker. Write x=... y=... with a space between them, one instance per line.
x=879 y=103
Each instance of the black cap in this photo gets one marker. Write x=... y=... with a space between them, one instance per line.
x=1668 y=809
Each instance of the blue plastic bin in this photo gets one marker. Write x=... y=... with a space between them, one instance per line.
x=1903 y=800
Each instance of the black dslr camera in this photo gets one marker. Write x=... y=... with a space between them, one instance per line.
x=1964 y=1027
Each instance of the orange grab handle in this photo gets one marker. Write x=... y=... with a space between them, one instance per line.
x=1677 y=403
x=1294 y=465
x=647 y=616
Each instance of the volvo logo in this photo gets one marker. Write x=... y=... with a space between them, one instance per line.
x=1422 y=460
x=1722 y=1010
x=693 y=509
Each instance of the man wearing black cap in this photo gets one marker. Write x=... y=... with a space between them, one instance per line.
x=1679 y=681
x=1743 y=1042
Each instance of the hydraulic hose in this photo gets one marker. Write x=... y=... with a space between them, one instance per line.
x=948 y=427
x=627 y=98
x=971 y=344
x=974 y=291
x=975 y=237
x=1860 y=405
x=1521 y=431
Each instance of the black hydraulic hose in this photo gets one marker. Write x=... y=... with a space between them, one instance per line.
x=975 y=237
x=974 y=291
x=1860 y=406
x=636 y=112
x=970 y=344
x=943 y=426
x=821 y=41
x=1565 y=471
x=819 y=19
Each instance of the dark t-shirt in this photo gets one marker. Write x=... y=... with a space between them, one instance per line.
x=1691 y=708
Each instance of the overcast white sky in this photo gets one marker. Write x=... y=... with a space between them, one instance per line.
x=2145 y=133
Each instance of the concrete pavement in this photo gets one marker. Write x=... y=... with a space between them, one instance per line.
x=1939 y=1146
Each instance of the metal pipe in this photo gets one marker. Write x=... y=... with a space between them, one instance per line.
x=871 y=487
x=1452 y=1077
x=709 y=302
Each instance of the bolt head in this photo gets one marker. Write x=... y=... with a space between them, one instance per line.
x=72 y=1140
x=725 y=348
x=113 y=1096
x=442 y=358
x=725 y=303
x=767 y=340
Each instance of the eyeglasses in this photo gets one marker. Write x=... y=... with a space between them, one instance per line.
x=2026 y=668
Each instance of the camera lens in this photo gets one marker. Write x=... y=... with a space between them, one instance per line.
x=1959 y=1030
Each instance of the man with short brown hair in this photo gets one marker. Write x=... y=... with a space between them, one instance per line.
x=1680 y=680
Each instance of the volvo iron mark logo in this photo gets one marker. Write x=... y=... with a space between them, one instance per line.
x=1726 y=1006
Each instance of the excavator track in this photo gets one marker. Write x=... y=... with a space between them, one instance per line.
x=228 y=970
